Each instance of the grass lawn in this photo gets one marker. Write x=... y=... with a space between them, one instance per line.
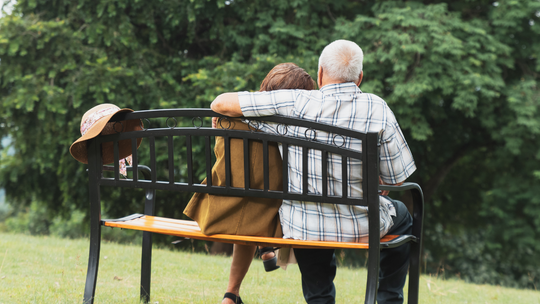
x=53 y=270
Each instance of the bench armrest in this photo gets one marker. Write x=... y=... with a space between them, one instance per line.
x=403 y=187
x=418 y=204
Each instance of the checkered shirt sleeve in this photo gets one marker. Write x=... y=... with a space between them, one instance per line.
x=396 y=160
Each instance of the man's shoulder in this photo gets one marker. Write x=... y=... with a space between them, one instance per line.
x=373 y=97
x=378 y=104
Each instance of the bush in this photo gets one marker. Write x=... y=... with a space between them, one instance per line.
x=32 y=220
x=474 y=257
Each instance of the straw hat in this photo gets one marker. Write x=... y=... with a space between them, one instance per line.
x=95 y=122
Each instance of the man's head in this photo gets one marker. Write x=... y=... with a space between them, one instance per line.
x=340 y=61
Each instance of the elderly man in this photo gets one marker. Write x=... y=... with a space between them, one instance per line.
x=339 y=102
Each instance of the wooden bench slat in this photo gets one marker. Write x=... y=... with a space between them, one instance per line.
x=190 y=229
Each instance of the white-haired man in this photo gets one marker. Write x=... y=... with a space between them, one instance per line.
x=339 y=102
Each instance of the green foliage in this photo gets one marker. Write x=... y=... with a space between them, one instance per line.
x=461 y=77
x=33 y=220
x=480 y=259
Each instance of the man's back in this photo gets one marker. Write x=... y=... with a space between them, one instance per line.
x=346 y=106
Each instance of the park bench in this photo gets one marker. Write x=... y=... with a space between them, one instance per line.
x=188 y=126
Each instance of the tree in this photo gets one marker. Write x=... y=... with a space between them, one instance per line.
x=461 y=77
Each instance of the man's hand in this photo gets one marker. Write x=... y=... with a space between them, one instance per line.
x=214 y=122
x=227 y=104
x=385 y=192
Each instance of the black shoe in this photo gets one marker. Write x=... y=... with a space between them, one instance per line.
x=270 y=264
x=232 y=296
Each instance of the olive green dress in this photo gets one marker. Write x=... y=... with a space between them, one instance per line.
x=240 y=215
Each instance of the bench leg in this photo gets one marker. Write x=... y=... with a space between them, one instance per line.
x=372 y=282
x=416 y=247
x=146 y=256
x=414 y=273
x=373 y=273
x=93 y=262
x=146 y=266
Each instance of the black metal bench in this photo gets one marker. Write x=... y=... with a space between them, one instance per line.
x=189 y=182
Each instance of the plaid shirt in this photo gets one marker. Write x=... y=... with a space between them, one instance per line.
x=346 y=106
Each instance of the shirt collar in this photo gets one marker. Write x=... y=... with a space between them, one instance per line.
x=340 y=88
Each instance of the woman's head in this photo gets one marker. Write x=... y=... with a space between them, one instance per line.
x=287 y=76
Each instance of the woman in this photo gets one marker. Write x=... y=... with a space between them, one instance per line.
x=244 y=215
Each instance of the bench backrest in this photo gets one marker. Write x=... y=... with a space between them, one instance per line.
x=185 y=131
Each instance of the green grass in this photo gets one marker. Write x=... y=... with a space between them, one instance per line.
x=53 y=270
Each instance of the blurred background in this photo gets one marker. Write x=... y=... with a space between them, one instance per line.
x=461 y=77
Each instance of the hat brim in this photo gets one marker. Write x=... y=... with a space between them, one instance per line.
x=79 y=148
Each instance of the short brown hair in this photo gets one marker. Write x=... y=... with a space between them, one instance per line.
x=287 y=76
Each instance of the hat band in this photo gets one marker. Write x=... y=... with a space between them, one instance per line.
x=92 y=118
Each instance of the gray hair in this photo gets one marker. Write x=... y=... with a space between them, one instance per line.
x=342 y=60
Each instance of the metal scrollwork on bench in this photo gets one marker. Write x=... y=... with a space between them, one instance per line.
x=281 y=127
x=254 y=126
x=220 y=121
x=200 y=120
x=342 y=140
x=312 y=134
x=175 y=122
x=142 y=124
